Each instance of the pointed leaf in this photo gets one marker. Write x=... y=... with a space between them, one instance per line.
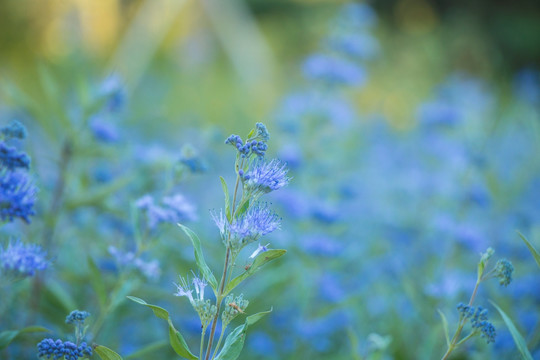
x=533 y=251
x=179 y=344
x=6 y=337
x=158 y=311
x=227 y=198
x=97 y=282
x=235 y=340
x=175 y=338
x=518 y=339
x=199 y=258
x=242 y=208
x=259 y=261
x=106 y=354
x=445 y=327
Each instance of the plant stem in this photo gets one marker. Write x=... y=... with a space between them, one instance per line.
x=223 y=327
x=219 y=298
x=202 y=343
x=454 y=343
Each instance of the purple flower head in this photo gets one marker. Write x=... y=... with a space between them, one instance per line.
x=17 y=196
x=112 y=88
x=103 y=130
x=128 y=260
x=183 y=289
x=63 y=350
x=12 y=159
x=333 y=70
x=265 y=177
x=21 y=259
x=173 y=209
x=256 y=222
x=14 y=130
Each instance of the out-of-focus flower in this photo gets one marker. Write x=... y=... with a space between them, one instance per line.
x=22 y=259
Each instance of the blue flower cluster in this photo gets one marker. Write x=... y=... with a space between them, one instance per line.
x=173 y=209
x=504 y=270
x=478 y=318
x=17 y=190
x=128 y=260
x=264 y=177
x=22 y=260
x=77 y=317
x=58 y=349
x=250 y=147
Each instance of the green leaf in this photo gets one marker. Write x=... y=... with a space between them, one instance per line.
x=242 y=208
x=518 y=339
x=531 y=249
x=199 y=258
x=158 y=311
x=235 y=340
x=106 y=354
x=97 y=282
x=147 y=350
x=445 y=327
x=260 y=260
x=6 y=337
x=179 y=343
x=227 y=199
x=176 y=339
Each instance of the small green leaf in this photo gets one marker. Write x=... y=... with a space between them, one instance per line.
x=6 y=337
x=235 y=340
x=176 y=339
x=199 y=258
x=518 y=339
x=533 y=251
x=106 y=354
x=445 y=327
x=227 y=199
x=97 y=282
x=242 y=208
x=260 y=260
x=158 y=311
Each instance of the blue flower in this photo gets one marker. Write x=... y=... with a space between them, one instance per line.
x=59 y=349
x=12 y=159
x=265 y=177
x=17 y=195
x=112 y=89
x=149 y=269
x=23 y=260
x=333 y=70
x=173 y=209
x=14 y=130
x=77 y=316
x=103 y=130
x=504 y=270
x=478 y=318
x=356 y=45
x=255 y=223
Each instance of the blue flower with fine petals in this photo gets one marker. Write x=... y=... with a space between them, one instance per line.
x=22 y=260
x=265 y=177
x=17 y=195
x=14 y=130
x=333 y=70
x=12 y=159
x=256 y=222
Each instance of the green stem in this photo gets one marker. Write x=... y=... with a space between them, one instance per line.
x=454 y=343
x=202 y=343
x=219 y=297
x=223 y=327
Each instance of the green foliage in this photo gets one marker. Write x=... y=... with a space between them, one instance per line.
x=6 y=337
x=176 y=339
x=518 y=339
x=533 y=251
x=106 y=354
x=257 y=264
x=235 y=340
x=199 y=258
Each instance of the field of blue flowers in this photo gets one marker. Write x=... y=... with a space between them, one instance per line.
x=258 y=180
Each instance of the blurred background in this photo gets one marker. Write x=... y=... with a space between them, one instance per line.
x=411 y=129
